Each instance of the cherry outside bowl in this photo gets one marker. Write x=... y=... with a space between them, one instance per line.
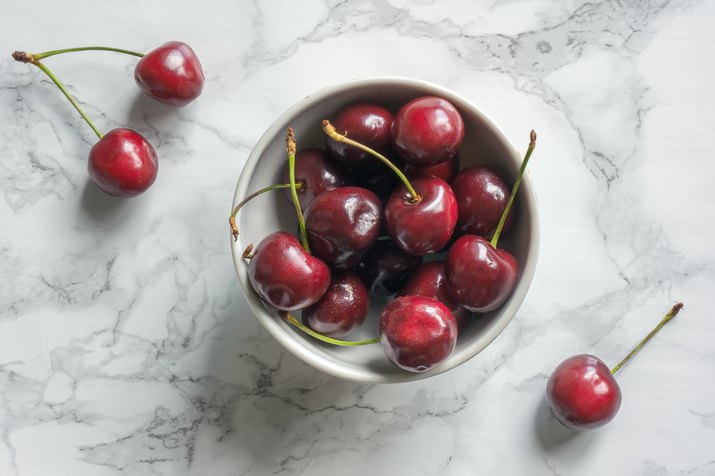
x=484 y=143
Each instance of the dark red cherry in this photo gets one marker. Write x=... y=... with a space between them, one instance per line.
x=429 y=280
x=423 y=226
x=318 y=173
x=380 y=182
x=481 y=197
x=445 y=170
x=123 y=163
x=582 y=393
x=366 y=123
x=343 y=224
x=170 y=74
x=284 y=275
x=386 y=268
x=427 y=130
x=479 y=276
x=417 y=332
x=343 y=307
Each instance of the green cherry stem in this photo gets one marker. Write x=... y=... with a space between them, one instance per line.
x=519 y=175
x=232 y=217
x=330 y=130
x=291 y=319
x=248 y=252
x=668 y=317
x=291 y=149
x=32 y=59
x=47 y=54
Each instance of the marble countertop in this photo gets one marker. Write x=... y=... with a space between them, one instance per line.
x=127 y=346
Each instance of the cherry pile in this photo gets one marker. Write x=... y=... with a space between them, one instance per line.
x=123 y=163
x=415 y=227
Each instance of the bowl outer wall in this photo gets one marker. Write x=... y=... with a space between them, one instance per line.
x=326 y=358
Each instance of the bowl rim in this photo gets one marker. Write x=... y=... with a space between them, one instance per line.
x=274 y=326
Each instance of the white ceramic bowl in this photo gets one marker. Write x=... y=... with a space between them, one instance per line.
x=484 y=143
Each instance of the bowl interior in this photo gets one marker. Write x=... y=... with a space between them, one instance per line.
x=483 y=143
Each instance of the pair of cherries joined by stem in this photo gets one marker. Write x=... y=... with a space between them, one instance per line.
x=123 y=163
x=344 y=228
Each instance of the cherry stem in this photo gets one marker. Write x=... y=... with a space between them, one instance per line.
x=47 y=54
x=330 y=130
x=232 y=218
x=291 y=148
x=668 y=317
x=248 y=252
x=24 y=57
x=291 y=319
x=519 y=175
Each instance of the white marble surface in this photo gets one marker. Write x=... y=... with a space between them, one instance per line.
x=127 y=347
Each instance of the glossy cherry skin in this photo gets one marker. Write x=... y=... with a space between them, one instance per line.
x=284 y=275
x=481 y=197
x=366 y=123
x=445 y=170
x=343 y=307
x=170 y=74
x=318 y=173
x=582 y=393
x=429 y=280
x=343 y=224
x=424 y=226
x=386 y=268
x=479 y=276
x=123 y=163
x=427 y=130
x=417 y=332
